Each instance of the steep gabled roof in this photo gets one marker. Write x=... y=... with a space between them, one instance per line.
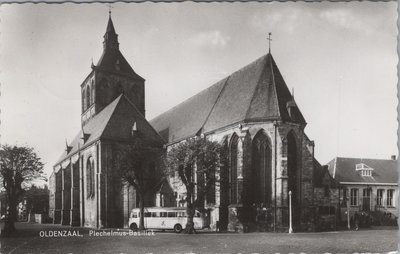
x=113 y=61
x=344 y=170
x=321 y=175
x=114 y=123
x=257 y=92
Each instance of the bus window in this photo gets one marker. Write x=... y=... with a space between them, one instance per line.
x=171 y=214
x=163 y=214
x=155 y=214
x=147 y=214
x=181 y=214
x=134 y=215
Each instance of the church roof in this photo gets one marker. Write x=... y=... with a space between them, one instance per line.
x=344 y=170
x=114 y=123
x=112 y=59
x=257 y=92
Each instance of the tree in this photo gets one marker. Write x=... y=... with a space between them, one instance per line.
x=19 y=167
x=37 y=199
x=195 y=161
x=139 y=166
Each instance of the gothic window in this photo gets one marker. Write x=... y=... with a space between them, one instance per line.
x=233 y=169
x=262 y=170
x=92 y=92
x=83 y=100
x=90 y=187
x=87 y=97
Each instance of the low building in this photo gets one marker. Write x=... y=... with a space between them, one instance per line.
x=368 y=187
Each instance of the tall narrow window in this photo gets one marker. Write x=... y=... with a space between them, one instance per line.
x=90 y=177
x=83 y=100
x=92 y=92
x=261 y=189
x=233 y=169
x=389 y=200
x=354 y=197
x=379 y=197
x=345 y=197
x=366 y=199
x=88 y=97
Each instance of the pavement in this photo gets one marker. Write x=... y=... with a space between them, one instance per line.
x=47 y=238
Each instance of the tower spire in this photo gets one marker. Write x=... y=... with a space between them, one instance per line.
x=110 y=37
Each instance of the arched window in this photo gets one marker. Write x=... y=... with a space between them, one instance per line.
x=83 y=100
x=87 y=97
x=92 y=92
x=90 y=187
x=261 y=190
x=233 y=161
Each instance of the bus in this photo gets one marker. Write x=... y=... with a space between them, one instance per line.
x=164 y=218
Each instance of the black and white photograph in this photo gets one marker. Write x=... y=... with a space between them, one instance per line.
x=199 y=127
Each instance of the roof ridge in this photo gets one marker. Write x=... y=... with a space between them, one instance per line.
x=186 y=100
x=142 y=116
x=216 y=83
x=274 y=85
x=111 y=115
x=256 y=89
x=216 y=101
x=363 y=158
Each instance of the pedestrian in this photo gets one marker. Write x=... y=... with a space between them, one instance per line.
x=356 y=220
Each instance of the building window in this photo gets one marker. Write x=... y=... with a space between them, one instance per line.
x=379 y=197
x=354 y=197
x=92 y=92
x=88 y=100
x=233 y=169
x=90 y=177
x=389 y=200
x=344 y=200
x=364 y=169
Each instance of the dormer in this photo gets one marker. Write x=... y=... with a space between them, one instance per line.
x=364 y=169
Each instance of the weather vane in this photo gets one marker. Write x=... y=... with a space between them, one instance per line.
x=269 y=42
x=109 y=9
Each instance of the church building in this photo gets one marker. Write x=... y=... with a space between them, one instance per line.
x=251 y=113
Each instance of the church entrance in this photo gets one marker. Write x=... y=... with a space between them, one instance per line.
x=293 y=177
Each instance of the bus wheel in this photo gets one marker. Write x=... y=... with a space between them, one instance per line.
x=133 y=227
x=178 y=228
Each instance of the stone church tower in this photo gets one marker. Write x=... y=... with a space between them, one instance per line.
x=86 y=187
x=109 y=78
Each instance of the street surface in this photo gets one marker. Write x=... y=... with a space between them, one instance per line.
x=34 y=238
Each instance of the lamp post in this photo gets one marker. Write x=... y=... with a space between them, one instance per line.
x=348 y=214
x=290 y=213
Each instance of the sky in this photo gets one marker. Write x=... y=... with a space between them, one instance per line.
x=340 y=59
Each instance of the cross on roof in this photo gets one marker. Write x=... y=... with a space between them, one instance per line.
x=269 y=42
x=109 y=9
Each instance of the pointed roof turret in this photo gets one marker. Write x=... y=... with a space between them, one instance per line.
x=110 y=37
x=112 y=59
